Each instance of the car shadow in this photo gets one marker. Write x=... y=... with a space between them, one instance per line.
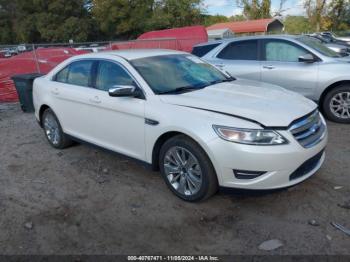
x=246 y=193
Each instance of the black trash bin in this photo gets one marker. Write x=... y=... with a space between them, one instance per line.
x=24 y=87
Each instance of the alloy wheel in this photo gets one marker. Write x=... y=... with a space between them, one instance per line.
x=340 y=105
x=51 y=128
x=183 y=170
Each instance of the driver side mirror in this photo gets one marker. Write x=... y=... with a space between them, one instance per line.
x=124 y=91
x=307 y=58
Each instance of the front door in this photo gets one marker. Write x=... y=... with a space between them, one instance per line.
x=117 y=123
x=281 y=66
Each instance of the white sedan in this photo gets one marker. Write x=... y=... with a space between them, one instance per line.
x=199 y=126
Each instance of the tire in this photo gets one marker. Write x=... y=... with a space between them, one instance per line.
x=341 y=94
x=193 y=174
x=53 y=130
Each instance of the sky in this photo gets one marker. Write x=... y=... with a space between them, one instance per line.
x=229 y=7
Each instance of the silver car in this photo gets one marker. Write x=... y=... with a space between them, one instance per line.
x=341 y=49
x=298 y=63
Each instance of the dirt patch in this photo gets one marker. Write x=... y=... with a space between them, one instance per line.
x=86 y=201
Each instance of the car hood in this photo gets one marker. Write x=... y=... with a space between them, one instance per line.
x=269 y=105
x=346 y=39
x=331 y=45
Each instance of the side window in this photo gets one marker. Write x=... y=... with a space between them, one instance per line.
x=110 y=74
x=80 y=73
x=203 y=50
x=283 y=51
x=242 y=50
x=62 y=75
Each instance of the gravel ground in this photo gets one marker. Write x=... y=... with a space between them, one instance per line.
x=86 y=201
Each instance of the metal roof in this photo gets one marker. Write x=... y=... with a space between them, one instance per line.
x=218 y=31
x=249 y=26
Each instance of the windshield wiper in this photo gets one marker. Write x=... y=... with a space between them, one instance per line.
x=222 y=81
x=183 y=89
x=180 y=90
x=230 y=79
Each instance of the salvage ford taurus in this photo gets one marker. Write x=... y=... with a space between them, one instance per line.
x=202 y=128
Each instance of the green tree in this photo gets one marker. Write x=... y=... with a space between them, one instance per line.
x=6 y=16
x=45 y=21
x=315 y=9
x=208 y=20
x=130 y=18
x=265 y=9
x=255 y=9
x=297 y=25
x=178 y=13
x=58 y=20
x=125 y=18
x=339 y=13
x=236 y=18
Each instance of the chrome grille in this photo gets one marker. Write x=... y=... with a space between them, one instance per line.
x=309 y=130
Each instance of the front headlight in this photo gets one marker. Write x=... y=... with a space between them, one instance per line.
x=250 y=136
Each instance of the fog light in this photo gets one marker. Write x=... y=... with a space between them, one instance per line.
x=245 y=174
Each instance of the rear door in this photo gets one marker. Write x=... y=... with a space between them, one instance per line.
x=281 y=66
x=71 y=90
x=240 y=59
x=86 y=111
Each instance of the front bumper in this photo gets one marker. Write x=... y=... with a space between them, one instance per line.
x=283 y=165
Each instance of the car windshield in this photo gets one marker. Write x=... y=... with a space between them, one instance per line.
x=177 y=73
x=318 y=46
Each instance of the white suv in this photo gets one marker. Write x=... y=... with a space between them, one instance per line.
x=200 y=127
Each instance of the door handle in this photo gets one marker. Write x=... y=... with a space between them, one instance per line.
x=221 y=66
x=55 y=91
x=95 y=100
x=269 y=67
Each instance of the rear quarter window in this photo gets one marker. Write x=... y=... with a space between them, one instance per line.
x=240 y=50
x=62 y=75
x=77 y=73
x=204 y=49
x=80 y=73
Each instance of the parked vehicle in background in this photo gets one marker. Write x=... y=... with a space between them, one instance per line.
x=22 y=48
x=199 y=126
x=92 y=49
x=342 y=49
x=13 y=51
x=5 y=54
x=298 y=63
x=332 y=37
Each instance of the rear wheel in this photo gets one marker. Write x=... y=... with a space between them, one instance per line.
x=336 y=105
x=187 y=170
x=53 y=130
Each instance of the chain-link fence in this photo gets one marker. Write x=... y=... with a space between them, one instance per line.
x=37 y=58
x=41 y=58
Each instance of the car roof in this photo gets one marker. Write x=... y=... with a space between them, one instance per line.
x=250 y=38
x=132 y=54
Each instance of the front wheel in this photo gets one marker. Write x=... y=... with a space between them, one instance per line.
x=187 y=170
x=336 y=105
